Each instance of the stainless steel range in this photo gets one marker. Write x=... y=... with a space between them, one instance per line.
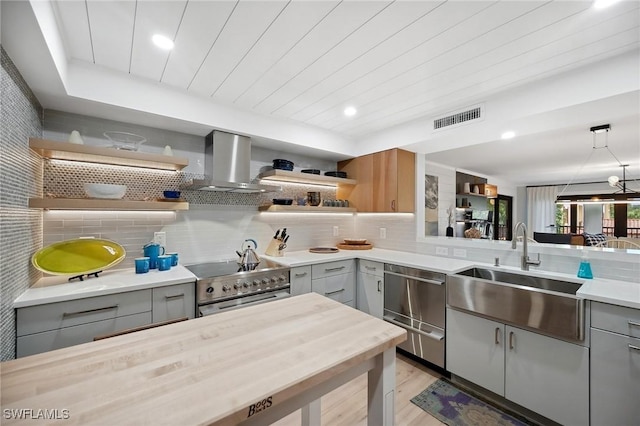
x=226 y=285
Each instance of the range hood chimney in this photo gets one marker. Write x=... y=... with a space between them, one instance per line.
x=227 y=165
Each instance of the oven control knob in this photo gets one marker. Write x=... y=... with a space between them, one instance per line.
x=226 y=288
x=282 y=278
x=274 y=279
x=209 y=290
x=256 y=282
x=237 y=286
x=265 y=281
x=246 y=284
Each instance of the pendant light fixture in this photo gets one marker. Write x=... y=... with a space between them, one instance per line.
x=623 y=196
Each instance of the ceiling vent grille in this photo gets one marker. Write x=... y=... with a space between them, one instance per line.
x=457 y=118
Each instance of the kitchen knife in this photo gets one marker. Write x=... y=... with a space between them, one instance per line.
x=285 y=240
x=284 y=232
x=276 y=236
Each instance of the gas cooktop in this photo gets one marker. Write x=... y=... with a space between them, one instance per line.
x=230 y=267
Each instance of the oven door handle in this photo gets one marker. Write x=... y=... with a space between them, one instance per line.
x=215 y=308
x=435 y=336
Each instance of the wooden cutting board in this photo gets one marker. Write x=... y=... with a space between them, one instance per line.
x=355 y=246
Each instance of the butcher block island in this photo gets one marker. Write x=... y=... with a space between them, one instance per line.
x=251 y=366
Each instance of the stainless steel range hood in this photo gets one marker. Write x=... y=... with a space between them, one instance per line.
x=227 y=165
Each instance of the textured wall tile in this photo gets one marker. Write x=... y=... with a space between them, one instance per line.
x=20 y=178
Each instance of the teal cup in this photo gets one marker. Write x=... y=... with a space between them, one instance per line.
x=174 y=258
x=164 y=263
x=142 y=265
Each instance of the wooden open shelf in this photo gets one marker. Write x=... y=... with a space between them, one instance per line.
x=306 y=209
x=94 y=154
x=297 y=177
x=104 y=204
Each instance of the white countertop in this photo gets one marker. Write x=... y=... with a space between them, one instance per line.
x=434 y=263
x=56 y=289
x=622 y=293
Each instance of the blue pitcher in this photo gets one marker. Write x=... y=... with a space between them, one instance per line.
x=152 y=251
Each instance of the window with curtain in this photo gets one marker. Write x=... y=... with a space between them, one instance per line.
x=541 y=208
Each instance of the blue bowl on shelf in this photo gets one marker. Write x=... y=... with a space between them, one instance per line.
x=171 y=194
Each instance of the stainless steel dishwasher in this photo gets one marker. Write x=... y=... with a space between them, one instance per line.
x=414 y=299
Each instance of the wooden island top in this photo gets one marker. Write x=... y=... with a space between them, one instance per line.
x=252 y=364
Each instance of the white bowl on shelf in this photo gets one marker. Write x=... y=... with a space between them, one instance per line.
x=124 y=140
x=105 y=190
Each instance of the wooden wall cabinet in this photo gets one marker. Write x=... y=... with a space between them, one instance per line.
x=386 y=182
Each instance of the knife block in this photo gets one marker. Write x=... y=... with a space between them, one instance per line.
x=273 y=249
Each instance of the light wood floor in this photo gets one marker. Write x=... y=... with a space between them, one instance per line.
x=347 y=405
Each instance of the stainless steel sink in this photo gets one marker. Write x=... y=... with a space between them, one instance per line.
x=545 y=305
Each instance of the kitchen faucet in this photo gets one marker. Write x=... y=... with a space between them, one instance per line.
x=525 y=262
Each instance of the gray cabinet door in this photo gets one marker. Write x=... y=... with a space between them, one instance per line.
x=548 y=376
x=615 y=379
x=370 y=294
x=173 y=302
x=475 y=350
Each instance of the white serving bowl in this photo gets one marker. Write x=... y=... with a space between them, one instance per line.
x=105 y=190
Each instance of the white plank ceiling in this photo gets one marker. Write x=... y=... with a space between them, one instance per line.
x=394 y=61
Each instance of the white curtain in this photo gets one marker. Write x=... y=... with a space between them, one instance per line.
x=541 y=209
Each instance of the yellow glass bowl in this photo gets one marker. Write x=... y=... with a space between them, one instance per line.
x=79 y=256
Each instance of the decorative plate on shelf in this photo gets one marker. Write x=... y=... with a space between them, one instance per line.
x=79 y=256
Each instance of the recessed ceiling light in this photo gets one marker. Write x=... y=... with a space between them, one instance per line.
x=350 y=111
x=508 y=135
x=162 y=42
x=602 y=4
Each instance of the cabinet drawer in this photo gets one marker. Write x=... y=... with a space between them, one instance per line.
x=35 y=319
x=618 y=319
x=338 y=287
x=70 y=336
x=371 y=267
x=332 y=268
x=173 y=302
x=300 y=280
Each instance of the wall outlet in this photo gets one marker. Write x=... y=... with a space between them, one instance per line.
x=336 y=231
x=383 y=233
x=160 y=238
x=459 y=252
x=442 y=251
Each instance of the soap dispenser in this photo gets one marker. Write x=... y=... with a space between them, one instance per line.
x=584 y=270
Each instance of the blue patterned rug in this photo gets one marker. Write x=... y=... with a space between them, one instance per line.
x=454 y=407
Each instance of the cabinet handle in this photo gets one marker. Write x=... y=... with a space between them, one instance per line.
x=497 y=335
x=634 y=323
x=175 y=296
x=304 y=274
x=511 y=340
x=371 y=268
x=339 y=268
x=635 y=348
x=334 y=292
x=140 y=328
x=89 y=311
x=393 y=205
x=379 y=286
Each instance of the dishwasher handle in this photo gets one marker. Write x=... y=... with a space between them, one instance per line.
x=435 y=336
x=414 y=278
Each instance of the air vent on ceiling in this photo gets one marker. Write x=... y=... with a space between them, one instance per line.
x=457 y=118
